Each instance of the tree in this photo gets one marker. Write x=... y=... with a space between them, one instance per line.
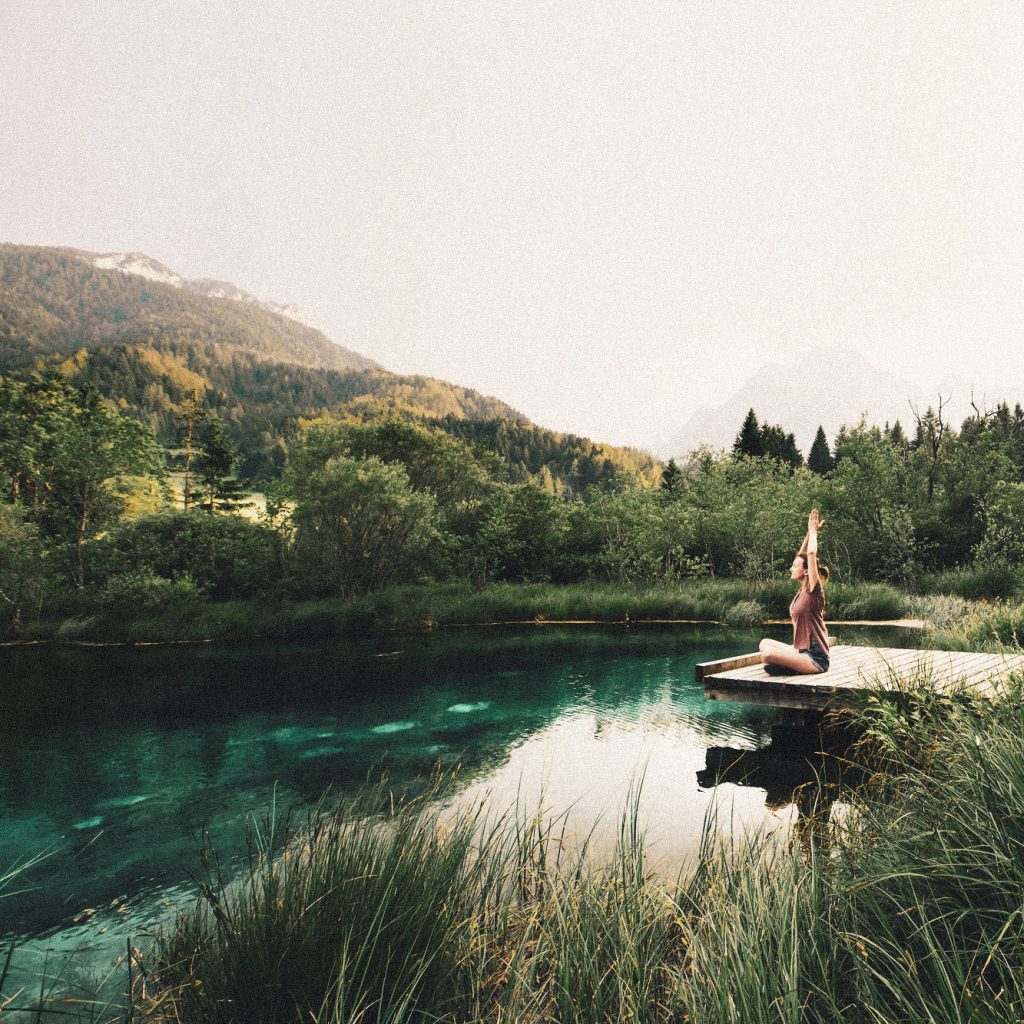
x=188 y=415
x=433 y=462
x=670 y=477
x=215 y=463
x=522 y=533
x=223 y=556
x=22 y=564
x=360 y=526
x=820 y=459
x=97 y=446
x=931 y=431
x=970 y=468
x=749 y=441
x=777 y=444
x=1003 y=539
x=61 y=451
x=897 y=436
x=869 y=505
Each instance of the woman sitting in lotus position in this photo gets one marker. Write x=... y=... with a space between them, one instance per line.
x=809 y=651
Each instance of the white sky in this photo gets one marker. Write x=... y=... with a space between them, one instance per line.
x=604 y=213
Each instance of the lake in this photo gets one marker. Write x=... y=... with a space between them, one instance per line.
x=115 y=763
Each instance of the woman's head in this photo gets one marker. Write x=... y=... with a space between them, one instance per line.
x=798 y=571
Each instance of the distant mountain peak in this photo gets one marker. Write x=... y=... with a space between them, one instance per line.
x=828 y=387
x=141 y=265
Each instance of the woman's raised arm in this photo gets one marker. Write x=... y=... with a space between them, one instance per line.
x=814 y=523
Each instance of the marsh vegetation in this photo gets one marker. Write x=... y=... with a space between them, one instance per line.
x=904 y=908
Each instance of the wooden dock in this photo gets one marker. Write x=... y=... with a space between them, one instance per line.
x=744 y=678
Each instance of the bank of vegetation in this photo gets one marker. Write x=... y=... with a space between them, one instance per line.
x=383 y=522
x=900 y=902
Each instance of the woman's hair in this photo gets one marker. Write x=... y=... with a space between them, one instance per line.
x=822 y=570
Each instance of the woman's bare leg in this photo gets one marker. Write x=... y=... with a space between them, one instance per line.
x=775 y=653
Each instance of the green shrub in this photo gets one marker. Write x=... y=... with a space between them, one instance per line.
x=225 y=555
x=142 y=589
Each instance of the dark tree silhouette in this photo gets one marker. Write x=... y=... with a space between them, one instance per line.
x=670 y=476
x=820 y=459
x=750 y=440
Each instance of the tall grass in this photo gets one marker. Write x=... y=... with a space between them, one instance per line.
x=737 y=602
x=992 y=627
x=907 y=907
x=936 y=885
x=53 y=993
x=407 y=912
x=993 y=580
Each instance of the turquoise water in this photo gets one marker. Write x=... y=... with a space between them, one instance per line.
x=116 y=763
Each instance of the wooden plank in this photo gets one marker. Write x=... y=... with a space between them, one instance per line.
x=707 y=668
x=797 y=701
x=889 y=665
x=852 y=668
x=974 y=677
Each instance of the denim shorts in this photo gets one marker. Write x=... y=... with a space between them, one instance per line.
x=818 y=656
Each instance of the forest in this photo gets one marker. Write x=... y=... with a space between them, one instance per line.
x=366 y=502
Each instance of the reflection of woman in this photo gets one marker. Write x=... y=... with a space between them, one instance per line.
x=809 y=652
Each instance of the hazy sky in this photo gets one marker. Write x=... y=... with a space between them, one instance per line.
x=604 y=213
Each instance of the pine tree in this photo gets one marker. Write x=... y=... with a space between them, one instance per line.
x=897 y=436
x=215 y=464
x=777 y=444
x=750 y=440
x=820 y=459
x=670 y=477
x=790 y=453
x=189 y=414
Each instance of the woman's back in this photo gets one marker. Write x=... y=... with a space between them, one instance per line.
x=807 y=610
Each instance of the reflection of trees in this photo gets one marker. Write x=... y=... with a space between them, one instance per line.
x=804 y=765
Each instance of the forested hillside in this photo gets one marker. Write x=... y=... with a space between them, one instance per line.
x=147 y=346
x=53 y=300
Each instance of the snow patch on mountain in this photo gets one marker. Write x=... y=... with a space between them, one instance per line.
x=225 y=290
x=135 y=263
x=141 y=265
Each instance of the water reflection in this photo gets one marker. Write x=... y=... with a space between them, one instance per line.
x=118 y=761
x=805 y=767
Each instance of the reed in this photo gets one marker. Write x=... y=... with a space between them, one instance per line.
x=736 y=602
x=993 y=580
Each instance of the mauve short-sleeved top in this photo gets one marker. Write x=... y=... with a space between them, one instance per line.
x=807 y=611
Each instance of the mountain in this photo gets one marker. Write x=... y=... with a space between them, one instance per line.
x=145 y=338
x=57 y=300
x=843 y=387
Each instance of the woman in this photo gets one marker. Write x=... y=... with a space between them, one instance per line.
x=808 y=654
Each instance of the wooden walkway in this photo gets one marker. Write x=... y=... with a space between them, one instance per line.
x=743 y=678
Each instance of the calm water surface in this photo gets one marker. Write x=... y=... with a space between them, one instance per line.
x=114 y=763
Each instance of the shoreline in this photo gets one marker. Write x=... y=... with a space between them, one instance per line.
x=82 y=620
x=902 y=623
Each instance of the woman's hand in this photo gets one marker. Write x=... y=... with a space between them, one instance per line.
x=814 y=521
